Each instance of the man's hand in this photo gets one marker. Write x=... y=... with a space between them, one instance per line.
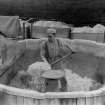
x=44 y=59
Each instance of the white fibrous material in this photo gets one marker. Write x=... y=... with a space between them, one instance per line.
x=36 y=69
x=99 y=28
x=76 y=82
x=85 y=29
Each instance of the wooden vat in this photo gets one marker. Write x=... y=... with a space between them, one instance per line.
x=16 y=96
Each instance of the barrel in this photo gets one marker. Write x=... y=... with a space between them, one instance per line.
x=16 y=96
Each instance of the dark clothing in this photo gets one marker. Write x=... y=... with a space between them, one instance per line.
x=52 y=52
x=52 y=85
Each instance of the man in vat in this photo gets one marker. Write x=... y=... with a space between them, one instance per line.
x=50 y=50
x=50 y=53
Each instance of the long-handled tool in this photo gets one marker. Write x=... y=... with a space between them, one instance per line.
x=58 y=60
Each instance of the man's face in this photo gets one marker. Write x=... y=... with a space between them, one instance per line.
x=51 y=37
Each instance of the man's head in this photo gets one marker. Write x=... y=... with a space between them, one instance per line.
x=51 y=33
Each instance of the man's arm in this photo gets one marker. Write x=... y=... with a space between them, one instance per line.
x=66 y=48
x=42 y=52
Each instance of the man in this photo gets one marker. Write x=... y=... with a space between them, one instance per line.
x=50 y=52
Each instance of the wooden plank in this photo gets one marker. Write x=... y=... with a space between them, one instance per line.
x=32 y=101
x=10 y=100
x=70 y=102
x=90 y=101
x=81 y=101
x=98 y=100
x=55 y=102
x=2 y=98
x=24 y=30
x=74 y=101
x=28 y=101
x=44 y=102
x=20 y=100
x=65 y=101
x=36 y=102
x=102 y=100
